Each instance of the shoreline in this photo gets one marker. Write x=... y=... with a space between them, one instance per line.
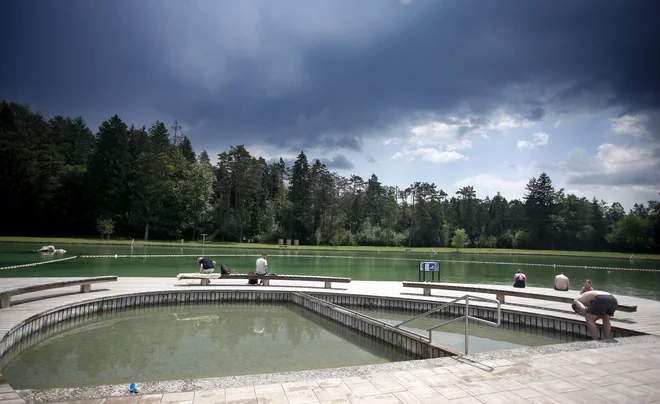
x=372 y=249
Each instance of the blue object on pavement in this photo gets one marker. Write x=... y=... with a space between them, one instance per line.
x=133 y=388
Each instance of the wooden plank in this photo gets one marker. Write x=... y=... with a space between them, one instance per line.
x=7 y=292
x=500 y=291
x=30 y=287
x=265 y=277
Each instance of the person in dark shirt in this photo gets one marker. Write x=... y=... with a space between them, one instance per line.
x=206 y=266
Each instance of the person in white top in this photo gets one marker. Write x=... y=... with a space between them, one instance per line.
x=561 y=282
x=262 y=266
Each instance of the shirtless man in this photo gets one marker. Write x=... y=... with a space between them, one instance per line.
x=596 y=305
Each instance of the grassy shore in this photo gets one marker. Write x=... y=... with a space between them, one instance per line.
x=255 y=246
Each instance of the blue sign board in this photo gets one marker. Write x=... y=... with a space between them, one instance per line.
x=429 y=266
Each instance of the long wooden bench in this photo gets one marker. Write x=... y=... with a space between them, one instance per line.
x=206 y=278
x=6 y=293
x=500 y=293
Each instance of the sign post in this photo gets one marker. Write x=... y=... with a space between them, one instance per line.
x=428 y=266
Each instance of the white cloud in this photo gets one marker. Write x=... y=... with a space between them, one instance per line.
x=626 y=174
x=611 y=159
x=430 y=154
x=540 y=139
x=268 y=152
x=442 y=133
x=389 y=141
x=616 y=159
x=436 y=142
x=626 y=195
x=488 y=184
x=557 y=124
x=630 y=125
x=501 y=121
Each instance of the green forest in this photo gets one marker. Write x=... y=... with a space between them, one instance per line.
x=59 y=178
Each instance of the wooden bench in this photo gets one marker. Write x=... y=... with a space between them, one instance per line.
x=500 y=292
x=206 y=278
x=85 y=286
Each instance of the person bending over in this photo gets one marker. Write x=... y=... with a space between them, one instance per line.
x=206 y=266
x=596 y=305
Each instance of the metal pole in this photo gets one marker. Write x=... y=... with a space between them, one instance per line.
x=467 y=319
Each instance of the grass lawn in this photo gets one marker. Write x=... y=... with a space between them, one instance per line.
x=255 y=246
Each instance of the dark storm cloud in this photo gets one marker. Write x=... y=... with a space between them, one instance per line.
x=324 y=74
x=338 y=162
x=75 y=58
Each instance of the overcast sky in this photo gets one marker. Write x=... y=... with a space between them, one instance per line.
x=465 y=92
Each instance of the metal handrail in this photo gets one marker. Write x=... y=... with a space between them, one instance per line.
x=465 y=315
x=357 y=314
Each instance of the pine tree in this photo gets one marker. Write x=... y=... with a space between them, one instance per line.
x=109 y=169
x=159 y=138
x=539 y=206
x=300 y=196
x=187 y=150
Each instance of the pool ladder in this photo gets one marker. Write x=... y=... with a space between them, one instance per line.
x=466 y=315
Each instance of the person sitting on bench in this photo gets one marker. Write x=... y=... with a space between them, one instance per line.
x=224 y=269
x=519 y=279
x=587 y=287
x=206 y=266
x=561 y=282
x=262 y=266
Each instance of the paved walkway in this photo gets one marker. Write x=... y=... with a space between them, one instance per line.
x=613 y=373
x=625 y=372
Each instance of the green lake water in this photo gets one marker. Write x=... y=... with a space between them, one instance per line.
x=225 y=339
x=641 y=278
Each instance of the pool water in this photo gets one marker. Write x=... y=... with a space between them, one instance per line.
x=193 y=341
x=228 y=339
x=482 y=337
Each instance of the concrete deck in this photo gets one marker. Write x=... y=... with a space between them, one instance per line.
x=627 y=371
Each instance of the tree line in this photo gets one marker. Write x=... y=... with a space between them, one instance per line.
x=61 y=179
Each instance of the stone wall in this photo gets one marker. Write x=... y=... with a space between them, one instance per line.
x=548 y=322
x=408 y=342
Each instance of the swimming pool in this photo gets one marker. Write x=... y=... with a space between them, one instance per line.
x=193 y=341
x=215 y=339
